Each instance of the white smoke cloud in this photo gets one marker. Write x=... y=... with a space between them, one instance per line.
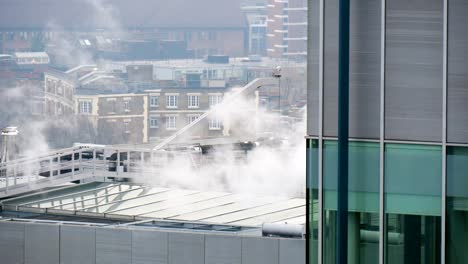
x=106 y=15
x=277 y=169
x=65 y=46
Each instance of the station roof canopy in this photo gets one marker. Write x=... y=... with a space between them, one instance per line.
x=139 y=202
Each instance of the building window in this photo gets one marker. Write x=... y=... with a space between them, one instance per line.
x=127 y=106
x=154 y=101
x=212 y=35
x=193 y=101
x=127 y=127
x=154 y=122
x=84 y=107
x=171 y=101
x=192 y=118
x=171 y=122
x=215 y=124
x=188 y=36
x=59 y=89
x=215 y=99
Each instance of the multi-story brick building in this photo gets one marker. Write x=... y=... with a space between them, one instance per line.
x=150 y=115
x=117 y=118
x=59 y=90
x=173 y=108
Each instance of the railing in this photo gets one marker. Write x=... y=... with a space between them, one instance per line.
x=75 y=164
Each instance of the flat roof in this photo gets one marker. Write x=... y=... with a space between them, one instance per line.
x=140 y=202
x=31 y=55
x=265 y=63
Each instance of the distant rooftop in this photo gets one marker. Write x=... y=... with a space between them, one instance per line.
x=31 y=58
x=120 y=14
x=265 y=62
x=31 y=55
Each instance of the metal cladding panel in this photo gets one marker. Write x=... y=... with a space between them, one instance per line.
x=12 y=242
x=457 y=94
x=77 y=245
x=292 y=251
x=313 y=68
x=223 y=249
x=149 y=247
x=42 y=244
x=260 y=250
x=364 y=82
x=186 y=248
x=330 y=69
x=113 y=246
x=414 y=56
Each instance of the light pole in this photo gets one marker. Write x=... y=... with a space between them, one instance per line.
x=277 y=74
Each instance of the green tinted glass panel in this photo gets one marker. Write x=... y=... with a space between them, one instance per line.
x=457 y=205
x=363 y=176
x=363 y=218
x=312 y=201
x=413 y=179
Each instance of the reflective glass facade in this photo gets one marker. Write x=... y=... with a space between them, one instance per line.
x=363 y=216
x=408 y=114
x=457 y=205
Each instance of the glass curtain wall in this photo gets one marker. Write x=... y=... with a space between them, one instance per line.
x=457 y=206
x=363 y=218
x=413 y=179
x=312 y=201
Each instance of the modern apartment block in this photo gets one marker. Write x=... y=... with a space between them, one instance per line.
x=408 y=129
x=287 y=28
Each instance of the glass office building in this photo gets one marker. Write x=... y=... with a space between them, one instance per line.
x=408 y=118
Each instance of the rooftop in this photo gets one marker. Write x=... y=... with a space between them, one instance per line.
x=135 y=202
x=31 y=55
x=264 y=63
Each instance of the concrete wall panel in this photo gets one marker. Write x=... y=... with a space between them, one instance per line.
x=223 y=250
x=186 y=248
x=291 y=251
x=42 y=245
x=12 y=242
x=149 y=247
x=113 y=246
x=260 y=250
x=77 y=245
